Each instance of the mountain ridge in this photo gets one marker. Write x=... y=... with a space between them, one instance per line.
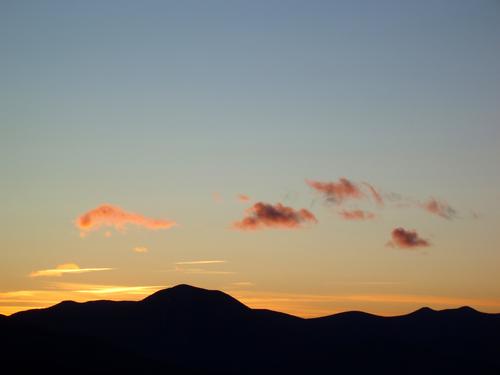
x=182 y=292
x=187 y=329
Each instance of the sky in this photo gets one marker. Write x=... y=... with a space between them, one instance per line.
x=310 y=157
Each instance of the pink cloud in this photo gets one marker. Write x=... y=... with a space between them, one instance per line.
x=217 y=197
x=407 y=239
x=262 y=215
x=377 y=197
x=356 y=215
x=243 y=198
x=442 y=209
x=337 y=191
x=107 y=215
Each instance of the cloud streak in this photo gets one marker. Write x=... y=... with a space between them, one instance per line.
x=377 y=197
x=63 y=269
x=407 y=239
x=201 y=262
x=243 y=198
x=131 y=290
x=108 y=215
x=439 y=208
x=337 y=192
x=263 y=215
x=356 y=215
x=202 y=271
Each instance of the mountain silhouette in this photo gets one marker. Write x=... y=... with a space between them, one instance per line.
x=189 y=330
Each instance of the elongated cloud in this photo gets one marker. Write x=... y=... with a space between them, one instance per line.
x=243 y=198
x=201 y=262
x=113 y=216
x=356 y=215
x=377 y=197
x=202 y=271
x=264 y=215
x=442 y=209
x=140 y=249
x=244 y=283
x=337 y=192
x=132 y=290
x=67 y=268
x=406 y=239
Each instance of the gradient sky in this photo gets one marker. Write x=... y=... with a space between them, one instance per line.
x=171 y=109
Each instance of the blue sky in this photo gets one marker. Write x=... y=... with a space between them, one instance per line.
x=156 y=105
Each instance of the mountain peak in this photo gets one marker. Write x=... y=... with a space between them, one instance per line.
x=464 y=311
x=181 y=290
x=188 y=297
x=467 y=309
x=427 y=311
x=423 y=312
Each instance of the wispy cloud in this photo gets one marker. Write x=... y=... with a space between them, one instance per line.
x=344 y=189
x=130 y=290
x=377 y=197
x=356 y=215
x=202 y=271
x=337 y=192
x=263 y=215
x=63 y=269
x=439 y=208
x=201 y=262
x=140 y=249
x=217 y=197
x=113 y=216
x=118 y=290
x=407 y=239
x=243 y=198
x=244 y=283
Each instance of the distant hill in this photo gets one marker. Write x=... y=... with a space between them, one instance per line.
x=188 y=330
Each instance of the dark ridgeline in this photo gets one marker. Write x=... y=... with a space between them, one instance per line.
x=188 y=330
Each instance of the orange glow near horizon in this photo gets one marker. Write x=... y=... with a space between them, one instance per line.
x=302 y=305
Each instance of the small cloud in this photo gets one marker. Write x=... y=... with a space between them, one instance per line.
x=475 y=215
x=132 y=290
x=337 y=192
x=113 y=216
x=356 y=215
x=407 y=239
x=243 y=283
x=217 y=197
x=180 y=267
x=201 y=262
x=66 y=268
x=108 y=234
x=202 y=271
x=439 y=208
x=262 y=215
x=377 y=197
x=140 y=249
x=243 y=198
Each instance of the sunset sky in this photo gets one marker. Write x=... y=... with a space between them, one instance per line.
x=309 y=157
